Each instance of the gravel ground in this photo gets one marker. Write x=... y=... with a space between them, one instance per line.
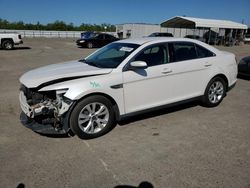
x=185 y=146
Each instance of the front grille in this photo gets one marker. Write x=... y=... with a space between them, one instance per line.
x=34 y=97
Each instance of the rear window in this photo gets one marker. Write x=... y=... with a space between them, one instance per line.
x=203 y=52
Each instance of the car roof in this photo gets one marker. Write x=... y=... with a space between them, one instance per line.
x=144 y=40
x=161 y=33
x=246 y=59
x=155 y=40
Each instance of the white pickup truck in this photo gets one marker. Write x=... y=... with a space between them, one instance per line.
x=8 y=40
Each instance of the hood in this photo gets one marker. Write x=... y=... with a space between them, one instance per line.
x=68 y=70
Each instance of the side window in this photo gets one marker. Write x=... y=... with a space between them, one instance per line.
x=181 y=51
x=106 y=37
x=203 y=52
x=109 y=37
x=153 y=56
x=100 y=36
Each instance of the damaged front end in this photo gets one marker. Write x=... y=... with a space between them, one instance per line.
x=45 y=111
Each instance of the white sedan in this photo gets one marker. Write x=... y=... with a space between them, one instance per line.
x=121 y=79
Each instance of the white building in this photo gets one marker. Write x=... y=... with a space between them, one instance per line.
x=181 y=26
x=133 y=30
x=207 y=27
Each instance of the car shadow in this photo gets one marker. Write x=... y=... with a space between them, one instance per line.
x=134 y=118
x=66 y=135
x=17 y=48
x=154 y=113
x=143 y=184
x=22 y=48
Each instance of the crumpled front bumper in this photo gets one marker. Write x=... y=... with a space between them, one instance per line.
x=40 y=128
x=27 y=119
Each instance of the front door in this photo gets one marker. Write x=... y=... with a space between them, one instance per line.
x=146 y=88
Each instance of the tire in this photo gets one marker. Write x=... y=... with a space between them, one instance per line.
x=214 y=93
x=92 y=117
x=7 y=45
x=90 y=45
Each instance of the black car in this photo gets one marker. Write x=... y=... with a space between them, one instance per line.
x=161 y=35
x=95 y=40
x=244 y=67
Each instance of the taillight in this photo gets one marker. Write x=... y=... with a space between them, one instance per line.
x=19 y=36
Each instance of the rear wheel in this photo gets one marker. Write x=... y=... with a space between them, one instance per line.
x=7 y=45
x=215 y=92
x=92 y=117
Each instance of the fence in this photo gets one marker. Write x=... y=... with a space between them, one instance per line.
x=47 y=34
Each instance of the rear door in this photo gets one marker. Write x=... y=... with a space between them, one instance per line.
x=190 y=65
x=100 y=40
x=109 y=39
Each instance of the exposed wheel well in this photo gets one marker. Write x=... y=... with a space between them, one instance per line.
x=4 y=39
x=115 y=106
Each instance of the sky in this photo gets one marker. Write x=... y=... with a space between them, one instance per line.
x=122 y=11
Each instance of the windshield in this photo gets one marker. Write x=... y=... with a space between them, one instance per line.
x=110 y=56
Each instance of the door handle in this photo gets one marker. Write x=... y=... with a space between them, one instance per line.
x=166 y=71
x=207 y=64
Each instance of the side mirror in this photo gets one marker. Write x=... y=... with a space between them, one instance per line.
x=138 y=65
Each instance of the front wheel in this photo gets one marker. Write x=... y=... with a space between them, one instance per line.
x=215 y=92
x=7 y=45
x=92 y=117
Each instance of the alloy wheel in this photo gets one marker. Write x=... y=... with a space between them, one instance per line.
x=93 y=118
x=216 y=92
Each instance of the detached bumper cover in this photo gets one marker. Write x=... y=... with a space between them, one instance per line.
x=27 y=119
x=39 y=128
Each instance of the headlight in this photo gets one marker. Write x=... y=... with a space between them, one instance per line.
x=82 y=41
x=60 y=96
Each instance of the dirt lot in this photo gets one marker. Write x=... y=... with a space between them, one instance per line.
x=186 y=146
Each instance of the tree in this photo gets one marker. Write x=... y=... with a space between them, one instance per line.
x=57 y=26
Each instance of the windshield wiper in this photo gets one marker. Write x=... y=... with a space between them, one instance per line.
x=82 y=60
x=93 y=64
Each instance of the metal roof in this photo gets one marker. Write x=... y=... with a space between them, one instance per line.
x=188 y=22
